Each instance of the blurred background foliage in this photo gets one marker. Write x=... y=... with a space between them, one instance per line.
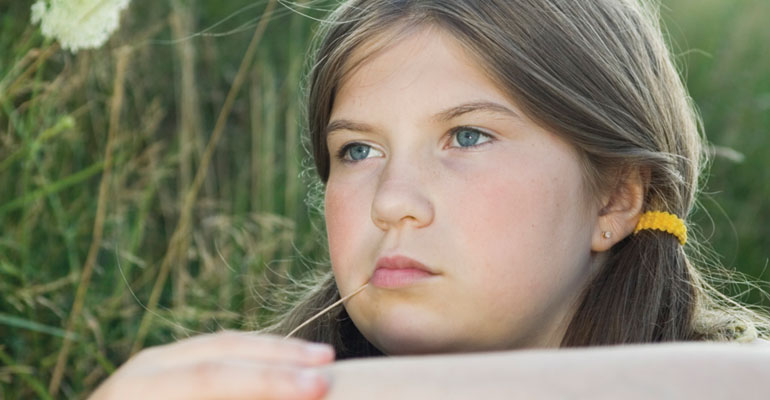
x=98 y=151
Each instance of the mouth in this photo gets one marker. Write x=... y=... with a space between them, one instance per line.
x=399 y=271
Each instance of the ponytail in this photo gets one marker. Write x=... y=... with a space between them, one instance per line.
x=642 y=294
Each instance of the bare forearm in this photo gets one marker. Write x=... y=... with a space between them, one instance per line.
x=653 y=371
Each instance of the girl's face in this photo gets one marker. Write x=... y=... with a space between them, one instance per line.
x=432 y=163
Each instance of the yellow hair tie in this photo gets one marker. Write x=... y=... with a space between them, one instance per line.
x=665 y=222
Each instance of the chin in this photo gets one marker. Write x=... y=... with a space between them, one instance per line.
x=399 y=336
x=403 y=345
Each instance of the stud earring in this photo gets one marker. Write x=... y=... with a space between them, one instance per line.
x=606 y=234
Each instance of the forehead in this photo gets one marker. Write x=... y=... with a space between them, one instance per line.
x=374 y=45
x=422 y=60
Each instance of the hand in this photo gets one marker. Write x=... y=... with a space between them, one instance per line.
x=226 y=365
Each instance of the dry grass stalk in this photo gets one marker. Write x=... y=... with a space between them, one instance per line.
x=182 y=230
x=101 y=210
x=189 y=127
x=325 y=310
x=25 y=76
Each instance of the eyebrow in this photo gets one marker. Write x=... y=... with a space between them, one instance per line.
x=442 y=116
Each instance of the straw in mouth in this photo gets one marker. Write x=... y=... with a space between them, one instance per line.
x=322 y=312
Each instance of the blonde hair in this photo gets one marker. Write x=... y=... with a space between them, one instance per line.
x=598 y=73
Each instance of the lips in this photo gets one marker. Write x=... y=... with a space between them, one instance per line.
x=395 y=272
x=401 y=262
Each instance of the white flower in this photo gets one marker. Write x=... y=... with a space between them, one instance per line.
x=78 y=24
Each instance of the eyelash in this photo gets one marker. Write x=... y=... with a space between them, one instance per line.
x=342 y=152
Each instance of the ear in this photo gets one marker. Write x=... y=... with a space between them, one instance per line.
x=621 y=210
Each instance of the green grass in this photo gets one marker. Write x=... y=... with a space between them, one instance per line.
x=720 y=45
x=249 y=217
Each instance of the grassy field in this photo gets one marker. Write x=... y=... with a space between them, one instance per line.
x=130 y=214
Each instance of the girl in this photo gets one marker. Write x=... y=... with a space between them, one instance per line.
x=504 y=175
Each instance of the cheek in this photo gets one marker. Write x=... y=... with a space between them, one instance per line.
x=516 y=224
x=346 y=213
x=500 y=207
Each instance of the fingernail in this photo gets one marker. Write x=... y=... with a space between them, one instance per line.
x=319 y=350
x=308 y=380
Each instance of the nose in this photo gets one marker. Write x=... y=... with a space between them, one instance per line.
x=402 y=198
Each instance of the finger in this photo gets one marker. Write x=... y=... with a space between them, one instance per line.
x=234 y=380
x=241 y=345
x=220 y=379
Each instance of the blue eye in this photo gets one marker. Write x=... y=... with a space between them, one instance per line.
x=356 y=152
x=465 y=137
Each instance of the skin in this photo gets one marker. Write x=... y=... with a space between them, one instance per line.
x=230 y=365
x=225 y=365
x=507 y=224
x=660 y=371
